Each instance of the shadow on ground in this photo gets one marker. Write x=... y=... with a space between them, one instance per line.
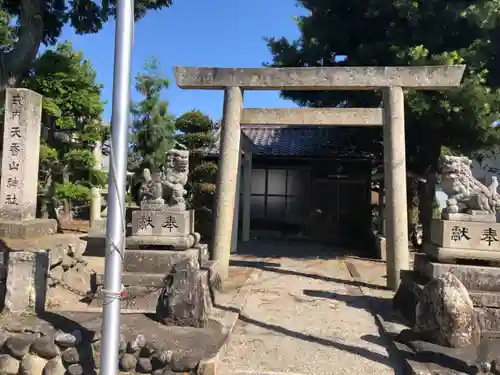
x=298 y=249
x=448 y=359
x=276 y=267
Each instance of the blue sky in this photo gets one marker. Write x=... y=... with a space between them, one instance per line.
x=198 y=33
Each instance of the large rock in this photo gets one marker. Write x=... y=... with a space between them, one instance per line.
x=18 y=346
x=54 y=367
x=8 y=365
x=128 y=362
x=445 y=314
x=32 y=365
x=45 y=348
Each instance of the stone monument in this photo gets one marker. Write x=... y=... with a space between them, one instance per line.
x=468 y=228
x=166 y=269
x=163 y=220
x=19 y=175
x=465 y=243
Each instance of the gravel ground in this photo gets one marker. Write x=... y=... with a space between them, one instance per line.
x=306 y=317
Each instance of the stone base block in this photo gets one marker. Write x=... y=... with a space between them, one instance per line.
x=466 y=235
x=27 y=228
x=171 y=242
x=381 y=247
x=26 y=281
x=474 y=278
x=452 y=254
x=150 y=280
x=158 y=261
x=143 y=291
x=164 y=223
x=476 y=216
x=95 y=244
x=99 y=225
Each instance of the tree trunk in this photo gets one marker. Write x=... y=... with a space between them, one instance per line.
x=16 y=62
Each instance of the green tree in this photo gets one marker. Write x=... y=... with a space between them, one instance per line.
x=153 y=127
x=26 y=24
x=407 y=32
x=71 y=124
x=197 y=134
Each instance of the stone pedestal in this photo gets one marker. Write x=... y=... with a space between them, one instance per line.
x=473 y=240
x=26 y=281
x=19 y=183
x=166 y=270
x=470 y=250
x=150 y=276
x=163 y=228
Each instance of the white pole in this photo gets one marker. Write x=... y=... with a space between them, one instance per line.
x=115 y=233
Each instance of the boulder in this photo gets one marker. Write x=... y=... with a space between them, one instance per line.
x=128 y=362
x=32 y=365
x=54 y=367
x=66 y=340
x=8 y=365
x=18 y=346
x=45 y=347
x=71 y=356
x=445 y=314
x=75 y=369
x=144 y=366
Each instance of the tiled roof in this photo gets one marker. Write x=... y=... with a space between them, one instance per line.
x=299 y=141
x=293 y=141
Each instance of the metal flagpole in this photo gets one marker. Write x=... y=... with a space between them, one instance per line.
x=116 y=225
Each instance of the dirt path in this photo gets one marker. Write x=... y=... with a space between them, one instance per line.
x=306 y=317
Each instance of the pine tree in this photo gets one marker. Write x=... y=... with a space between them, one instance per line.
x=197 y=134
x=153 y=127
x=71 y=124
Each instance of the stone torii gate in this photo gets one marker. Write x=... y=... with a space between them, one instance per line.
x=390 y=80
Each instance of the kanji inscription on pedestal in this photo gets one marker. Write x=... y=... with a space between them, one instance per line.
x=21 y=148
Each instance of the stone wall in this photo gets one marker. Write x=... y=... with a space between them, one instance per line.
x=70 y=353
x=69 y=277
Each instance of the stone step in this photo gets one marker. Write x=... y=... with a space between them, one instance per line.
x=158 y=261
x=474 y=277
x=137 y=278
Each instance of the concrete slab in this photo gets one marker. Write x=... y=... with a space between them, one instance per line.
x=320 y=78
x=312 y=116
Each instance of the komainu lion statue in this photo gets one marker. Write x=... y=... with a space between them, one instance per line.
x=465 y=193
x=167 y=187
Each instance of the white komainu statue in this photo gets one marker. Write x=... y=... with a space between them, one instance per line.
x=465 y=193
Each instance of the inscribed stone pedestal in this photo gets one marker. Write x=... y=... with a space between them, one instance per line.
x=466 y=235
x=19 y=181
x=168 y=223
